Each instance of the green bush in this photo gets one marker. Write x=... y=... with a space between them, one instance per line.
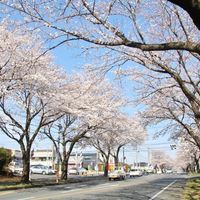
x=5 y=159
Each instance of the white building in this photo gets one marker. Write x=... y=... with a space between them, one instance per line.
x=48 y=157
x=45 y=157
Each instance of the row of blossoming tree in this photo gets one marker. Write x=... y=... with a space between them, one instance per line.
x=37 y=97
x=155 y=44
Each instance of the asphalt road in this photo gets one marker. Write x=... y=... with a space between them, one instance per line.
x=158 y=187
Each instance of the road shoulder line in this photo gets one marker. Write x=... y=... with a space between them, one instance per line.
x=162 y=190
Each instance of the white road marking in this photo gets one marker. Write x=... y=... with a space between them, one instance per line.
x=98 y=187
x=83 y=185
x=6 y=192
x=68 y=187
x=27 y=198
x=105 y=184
x=74 y=190
x=114 y=185
x=162 y=190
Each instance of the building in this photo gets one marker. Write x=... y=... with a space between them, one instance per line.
x=48 y=157
x=45 y=157
x=86 y=160
x=90 y=161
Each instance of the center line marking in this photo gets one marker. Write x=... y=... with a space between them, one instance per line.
x=162 y=190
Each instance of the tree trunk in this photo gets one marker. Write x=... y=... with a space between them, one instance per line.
x=116 y=157
x=64 y=167
x=26 y=166
x=65 y=160
x=197 y=165
x=106 y=167
x=116 y=160
x=192 y=7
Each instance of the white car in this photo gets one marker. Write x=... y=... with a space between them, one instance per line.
x=73 y=171
x=135 y=172
x=168 y=171
x=77 y=171
x=15 y=168
x=117 y=174
x=41 y=169
x=18 y=170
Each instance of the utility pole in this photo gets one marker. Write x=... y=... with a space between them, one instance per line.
x=149 y=156
x=138 y=160
x=59 y=134
x=123 y=157
x=58 y=151
x=136 y=155
x=53 y=156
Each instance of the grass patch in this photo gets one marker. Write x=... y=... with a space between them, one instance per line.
x=9 y=180
x=9 y=183
x=16 y=186
x=193 y=174
x=192 y=190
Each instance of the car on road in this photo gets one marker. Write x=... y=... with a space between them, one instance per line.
x=135 y=172
x=117 y=174
x=41 y=169
x=168 y=171
x=77 y=171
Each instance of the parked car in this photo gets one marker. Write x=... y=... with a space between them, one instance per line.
x=41 y=169
x=135 y=172
x=73 y=171
x=15 y=168
x=82 y=171
x=117 y=174
x=18 y=169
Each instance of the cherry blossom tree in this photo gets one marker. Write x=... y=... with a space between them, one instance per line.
x=14 y=57
x=160 y=160
x=166 y=105
x=90 y=102
x=67 y=132
x=115 y=133
x=26 y=90
x=127 y=131
x=103 y=142
x=96 y=22
x=188 y=156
